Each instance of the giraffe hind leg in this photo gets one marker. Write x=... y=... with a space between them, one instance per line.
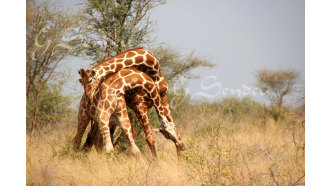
x=82 y=125
x=127 y=129
x=92 y=137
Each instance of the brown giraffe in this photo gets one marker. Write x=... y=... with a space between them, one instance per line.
x=109 y=99
x=138 y=58
x=145 y=61
x=140 y=105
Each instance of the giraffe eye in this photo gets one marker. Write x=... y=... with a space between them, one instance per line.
x=92 y=73
x=90 y=81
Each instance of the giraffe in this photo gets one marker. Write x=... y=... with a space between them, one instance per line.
x=109 y=99
x=138 y=58
x=141 y=59
x=139 y=102
x=140 y=105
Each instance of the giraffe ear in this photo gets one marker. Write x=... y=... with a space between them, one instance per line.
x=93 y=73
x=81 y=72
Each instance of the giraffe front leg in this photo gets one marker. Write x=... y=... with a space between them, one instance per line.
x=83 y=120
x=104 y=118
x=142 y=114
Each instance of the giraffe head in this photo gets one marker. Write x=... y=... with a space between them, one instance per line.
x=88 y=82
x=172 y=133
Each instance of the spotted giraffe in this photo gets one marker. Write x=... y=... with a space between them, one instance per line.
x=139 y=103
x=146 y=62
x=109 y=99
x=138 y=58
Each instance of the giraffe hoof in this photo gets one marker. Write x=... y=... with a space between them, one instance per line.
x=109 y=148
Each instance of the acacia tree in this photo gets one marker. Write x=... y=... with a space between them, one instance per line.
x=276 y=84
x=113 y=26
x=46 y=47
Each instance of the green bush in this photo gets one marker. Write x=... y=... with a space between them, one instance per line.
x=278 y=112
x=53 y=106
x=240 y=108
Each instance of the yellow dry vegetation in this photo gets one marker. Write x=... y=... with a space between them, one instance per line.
x=219 y=151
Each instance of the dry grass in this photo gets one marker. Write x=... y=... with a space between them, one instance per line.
x=220 y=151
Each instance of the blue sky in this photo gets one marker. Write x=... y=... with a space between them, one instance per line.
x=239 y=36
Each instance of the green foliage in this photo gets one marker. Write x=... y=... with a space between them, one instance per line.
x=278 y=112
x=239 y=108
x=116 y=25
x=174 y=65
x=53 y=106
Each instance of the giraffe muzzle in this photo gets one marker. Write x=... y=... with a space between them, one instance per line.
x=179 y=144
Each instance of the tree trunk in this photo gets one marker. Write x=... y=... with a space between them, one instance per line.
x=265 y=115
x=27 y=97
x=36 y=110
x=280 y=101
x=27 y=92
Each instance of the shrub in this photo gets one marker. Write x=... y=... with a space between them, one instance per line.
x=240 y=108
x=53 y=106
x=278 y=112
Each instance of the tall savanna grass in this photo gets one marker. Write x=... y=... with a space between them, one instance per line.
x=227 y=143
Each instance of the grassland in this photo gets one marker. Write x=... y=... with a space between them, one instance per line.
x=226 y=144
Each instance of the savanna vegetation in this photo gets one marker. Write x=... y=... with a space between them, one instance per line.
x=227 y=143
x=233 y=141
